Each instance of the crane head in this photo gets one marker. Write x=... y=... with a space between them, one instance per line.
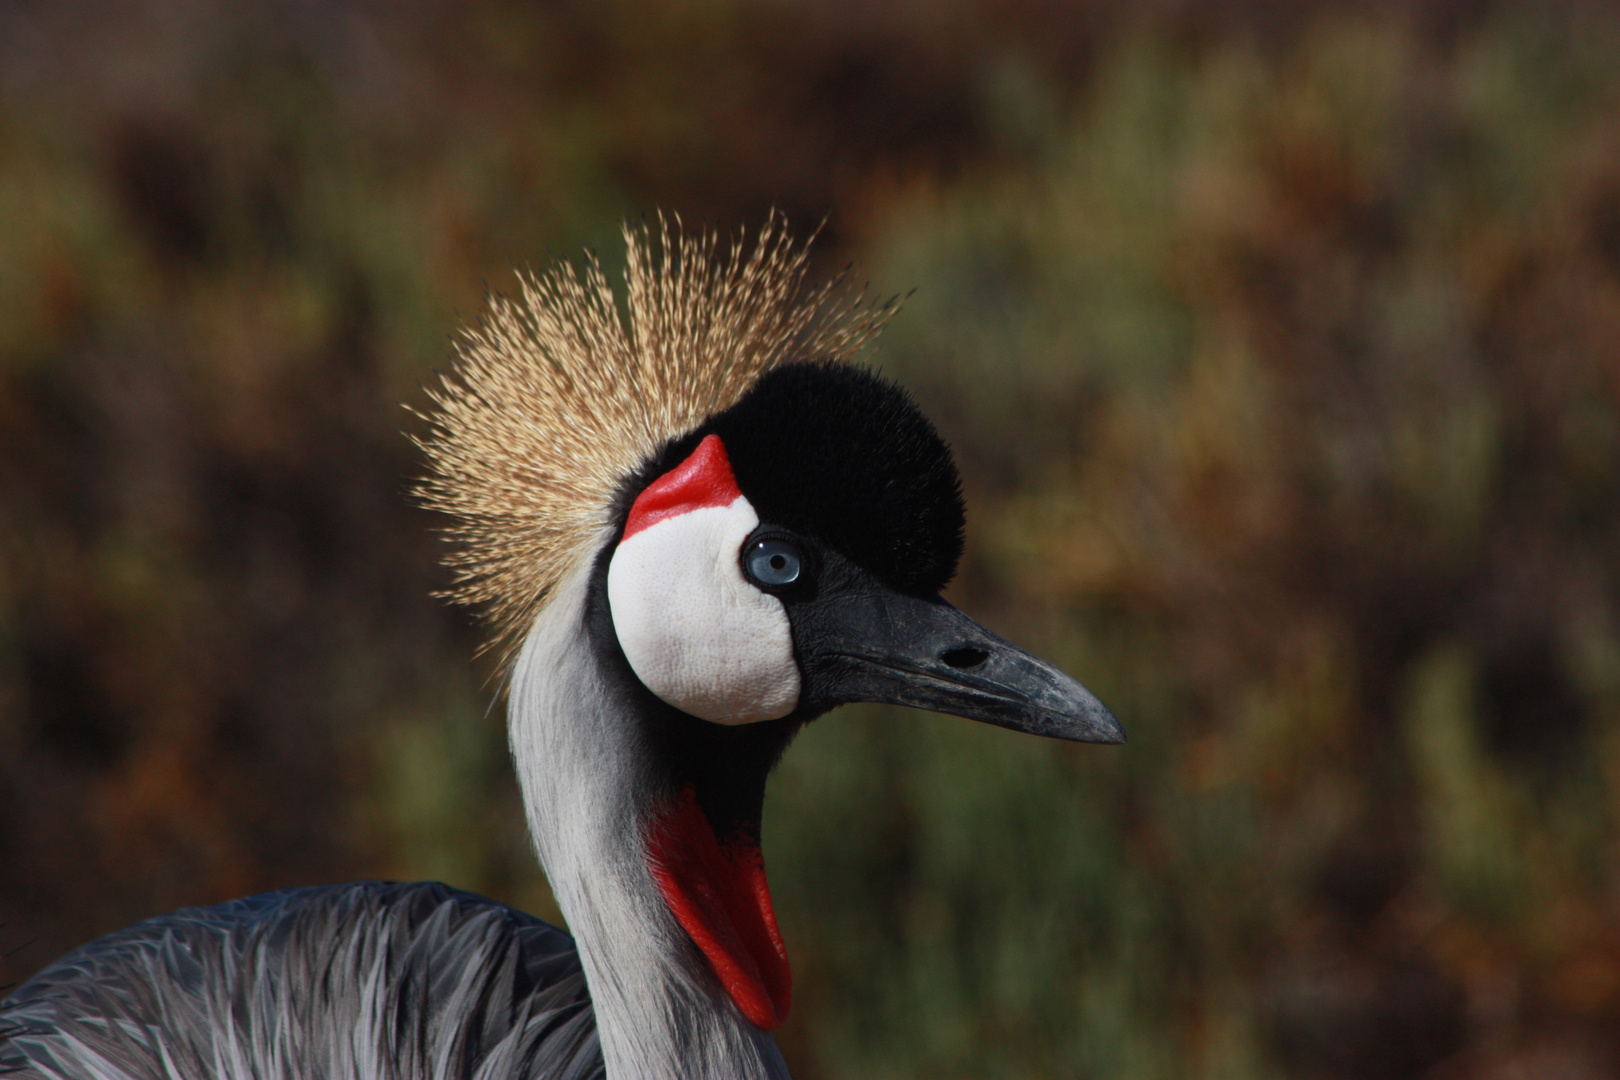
x=787 y=557
x=765 y=527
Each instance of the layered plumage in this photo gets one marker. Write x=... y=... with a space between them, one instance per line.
x=370 y=981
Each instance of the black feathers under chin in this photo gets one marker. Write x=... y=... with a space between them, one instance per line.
x=836 y=452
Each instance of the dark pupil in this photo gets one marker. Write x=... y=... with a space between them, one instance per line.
x=778 y=561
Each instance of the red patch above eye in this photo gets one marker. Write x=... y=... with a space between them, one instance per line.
x=703 y=479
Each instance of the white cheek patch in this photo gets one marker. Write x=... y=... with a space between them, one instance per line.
x=696 y=632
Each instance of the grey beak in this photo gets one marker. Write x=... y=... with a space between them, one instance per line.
x=874 y=644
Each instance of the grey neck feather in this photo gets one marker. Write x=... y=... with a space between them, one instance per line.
x=660 y=1011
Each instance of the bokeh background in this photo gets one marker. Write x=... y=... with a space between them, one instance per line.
x=1279 y=343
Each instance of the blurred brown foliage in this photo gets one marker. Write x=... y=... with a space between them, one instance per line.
x=1280 y=344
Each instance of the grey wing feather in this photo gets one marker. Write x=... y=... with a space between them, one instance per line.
x=373 y=981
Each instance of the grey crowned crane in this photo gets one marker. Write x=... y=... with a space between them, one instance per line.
x=694 y=526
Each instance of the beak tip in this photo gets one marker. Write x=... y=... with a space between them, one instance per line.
x=1115 y=730
x=1106 y=730
x=1092 y=724
x=1092 y=721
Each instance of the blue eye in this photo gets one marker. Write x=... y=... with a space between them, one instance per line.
x=773 y=563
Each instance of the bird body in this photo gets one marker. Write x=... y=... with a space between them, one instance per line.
x=313 y=982
x=692 y=530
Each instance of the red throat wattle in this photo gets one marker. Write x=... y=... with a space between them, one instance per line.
x=716 y=890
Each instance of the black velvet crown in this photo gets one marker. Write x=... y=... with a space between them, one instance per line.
x=834 y=451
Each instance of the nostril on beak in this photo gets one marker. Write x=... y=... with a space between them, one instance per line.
x=964 y=656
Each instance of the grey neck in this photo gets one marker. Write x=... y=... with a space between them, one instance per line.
x=660 y=1011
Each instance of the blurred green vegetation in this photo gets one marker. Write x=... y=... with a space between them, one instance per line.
x=1281 y=352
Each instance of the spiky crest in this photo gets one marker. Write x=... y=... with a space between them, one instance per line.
x=556 y=396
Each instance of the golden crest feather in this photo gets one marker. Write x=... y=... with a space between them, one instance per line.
x=556 y=396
